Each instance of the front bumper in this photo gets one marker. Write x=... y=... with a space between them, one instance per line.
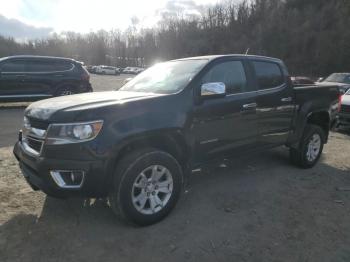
x=343 y=119
x=36 y=171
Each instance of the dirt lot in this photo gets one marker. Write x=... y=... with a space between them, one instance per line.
x=257 y=208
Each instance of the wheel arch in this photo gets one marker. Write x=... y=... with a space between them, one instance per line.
x=71 y=83
x=321 y=119
x=170 y=141
x=307 y=115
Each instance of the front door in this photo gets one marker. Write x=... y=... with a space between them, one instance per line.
x=11 y=78
x=227 y=124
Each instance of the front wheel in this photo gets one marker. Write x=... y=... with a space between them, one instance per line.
x=146 y=187
x=310 y=148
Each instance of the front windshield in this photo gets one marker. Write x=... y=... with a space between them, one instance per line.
x=165 y=78
x=339 y=78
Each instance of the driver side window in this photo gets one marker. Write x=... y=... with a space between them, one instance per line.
x=231 y=73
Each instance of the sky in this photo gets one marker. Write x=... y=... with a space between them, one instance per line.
x=23 y=18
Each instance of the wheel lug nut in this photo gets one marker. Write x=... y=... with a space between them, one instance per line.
x=153 y=193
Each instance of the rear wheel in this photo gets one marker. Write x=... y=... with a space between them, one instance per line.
x=146 y=187
x=65 y=91
x=310 y=149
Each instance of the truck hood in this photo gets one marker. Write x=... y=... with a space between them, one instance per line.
x=44 y=109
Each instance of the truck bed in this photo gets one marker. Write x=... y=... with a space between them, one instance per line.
x=317 y=96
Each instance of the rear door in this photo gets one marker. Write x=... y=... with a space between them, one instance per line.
x=11 y=78
x=275 y=102
x=226 y=125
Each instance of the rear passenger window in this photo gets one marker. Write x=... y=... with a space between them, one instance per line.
x=63 y=66
x=39 y=66
x=231 y=73
x=13 y=67
x=269 y=75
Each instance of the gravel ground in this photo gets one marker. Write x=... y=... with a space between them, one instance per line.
x=256 y=208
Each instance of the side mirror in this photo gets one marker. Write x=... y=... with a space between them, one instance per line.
x=213 y=90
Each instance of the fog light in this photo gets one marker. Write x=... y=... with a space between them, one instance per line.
x=72 y=179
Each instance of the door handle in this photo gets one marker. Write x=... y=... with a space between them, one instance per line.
x=249 y=106
x=286 y=99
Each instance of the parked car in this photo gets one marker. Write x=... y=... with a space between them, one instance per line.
x=137 y=145
x=107 y=70
x=128 y=70
x=137 y=70
x=302 y=80
x=133 y=70
x=30 y=78
x=344 y=110
x=342 y=80
x=91 y=69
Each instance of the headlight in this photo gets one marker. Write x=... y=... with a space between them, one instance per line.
x=59 y=134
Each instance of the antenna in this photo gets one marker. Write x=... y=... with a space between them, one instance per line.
x=246 y=52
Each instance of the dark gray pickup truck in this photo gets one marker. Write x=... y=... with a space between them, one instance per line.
x=137 y=145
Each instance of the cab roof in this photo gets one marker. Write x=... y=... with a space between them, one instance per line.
x=214 y=57
x=37 y=57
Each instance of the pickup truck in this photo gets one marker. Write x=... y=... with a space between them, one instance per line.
x=138 y=144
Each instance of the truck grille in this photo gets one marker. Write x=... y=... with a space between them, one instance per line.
x=34 y=133
x=345 y=109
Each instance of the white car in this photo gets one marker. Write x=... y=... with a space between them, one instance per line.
x=139 y=70
x=128 y=70
x=133 y=70
x=107 y=70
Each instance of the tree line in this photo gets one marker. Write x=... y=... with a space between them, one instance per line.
x=312 y=37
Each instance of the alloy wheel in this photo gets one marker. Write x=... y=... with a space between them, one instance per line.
x=152 y=189
x=313 y=148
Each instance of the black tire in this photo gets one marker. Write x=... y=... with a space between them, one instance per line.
x=126 y=173
x=65 y=90
x=299 y=156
